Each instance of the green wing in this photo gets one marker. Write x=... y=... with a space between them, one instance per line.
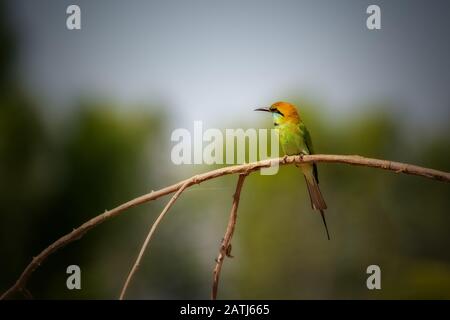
x=308 y=140
x=309 y=145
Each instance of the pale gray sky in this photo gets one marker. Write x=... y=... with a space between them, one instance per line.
x=215 y=60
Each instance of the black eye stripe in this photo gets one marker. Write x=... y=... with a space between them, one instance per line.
x=275 y=110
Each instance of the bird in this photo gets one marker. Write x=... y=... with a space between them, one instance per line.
x=295 y=139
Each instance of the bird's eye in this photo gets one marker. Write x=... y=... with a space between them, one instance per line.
x=275 y=110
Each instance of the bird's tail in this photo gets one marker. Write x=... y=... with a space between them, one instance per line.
x=317 y=201
x=325 y=223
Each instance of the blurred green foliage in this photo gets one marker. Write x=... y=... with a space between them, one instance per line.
x=56 y=174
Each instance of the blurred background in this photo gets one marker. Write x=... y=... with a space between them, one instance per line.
x=85 y=124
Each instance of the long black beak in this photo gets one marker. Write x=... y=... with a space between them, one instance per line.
x=262 y=109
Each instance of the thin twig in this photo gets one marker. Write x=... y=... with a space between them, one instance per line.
x=225 y=247
x=149 y=237
x=77 y=233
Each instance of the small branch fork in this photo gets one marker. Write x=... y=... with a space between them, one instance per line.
x=225 y=247
x=149 y=237
x=177 y=188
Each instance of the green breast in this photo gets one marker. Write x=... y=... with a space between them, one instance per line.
x=292 y=139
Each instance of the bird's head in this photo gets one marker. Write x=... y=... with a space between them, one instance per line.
x=282 y=112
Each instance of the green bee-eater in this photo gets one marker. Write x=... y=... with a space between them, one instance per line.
x=296 y=140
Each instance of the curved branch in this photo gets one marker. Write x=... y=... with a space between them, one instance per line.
x=225 y=246
x=77 y=233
